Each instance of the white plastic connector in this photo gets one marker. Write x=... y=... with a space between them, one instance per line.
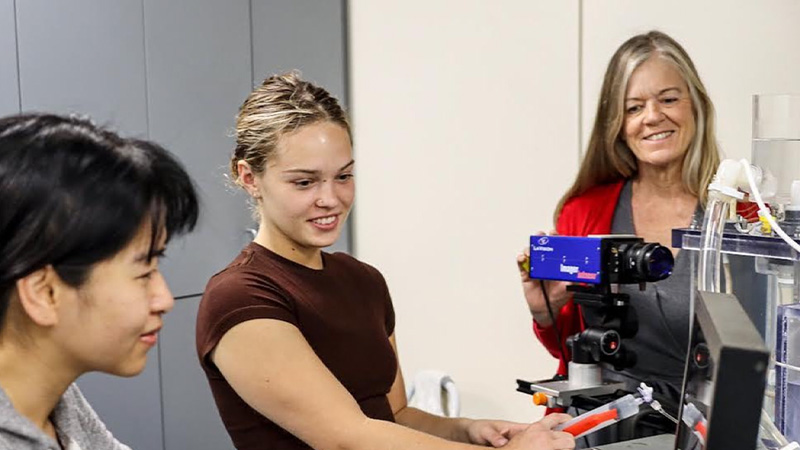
x=731 y=179
x=795 y=199
x=729 y=173
x=791 y=446
x=692 y=415
x=646 y=392
x=727 y=180
x=723 y=192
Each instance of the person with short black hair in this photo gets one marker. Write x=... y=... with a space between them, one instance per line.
x=85 y=216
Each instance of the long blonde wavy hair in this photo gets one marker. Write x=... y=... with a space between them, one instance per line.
x=608 y=158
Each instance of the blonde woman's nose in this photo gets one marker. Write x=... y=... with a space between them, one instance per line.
x=653 y=112
x=326 y=196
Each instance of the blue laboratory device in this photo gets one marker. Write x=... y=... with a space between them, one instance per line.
x=601 y=260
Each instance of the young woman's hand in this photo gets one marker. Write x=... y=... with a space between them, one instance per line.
x=540 y=435
x=495 y=433
x=532 y=289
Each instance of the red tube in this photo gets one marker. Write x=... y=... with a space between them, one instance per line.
x=701 y=428
x=590 y=422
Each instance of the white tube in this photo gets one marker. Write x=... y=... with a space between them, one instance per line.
x=787 y=366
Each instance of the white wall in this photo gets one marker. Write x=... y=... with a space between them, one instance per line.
x=739 y=47
x=467 y=121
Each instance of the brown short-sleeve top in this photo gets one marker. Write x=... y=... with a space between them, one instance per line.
x=343 y=310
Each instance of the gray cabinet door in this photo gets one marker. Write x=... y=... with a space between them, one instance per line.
x=84 y=56
x=191 y=420
x=198 y=73
x=88 y=57
x=304 y=35
x=309 y=36
x=9 y=83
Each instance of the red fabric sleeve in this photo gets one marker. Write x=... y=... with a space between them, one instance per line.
x=588 y=213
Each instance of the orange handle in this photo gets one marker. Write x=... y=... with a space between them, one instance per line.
x=590 y=422
x=540 y=399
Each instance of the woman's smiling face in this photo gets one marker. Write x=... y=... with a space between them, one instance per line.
x=659 y=117
x=307 y=188
x=109 y=323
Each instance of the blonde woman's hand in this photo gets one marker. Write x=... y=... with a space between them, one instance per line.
x=532 y=289
x=540 y=435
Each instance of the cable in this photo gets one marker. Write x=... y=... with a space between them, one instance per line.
x=561 y=350
x=786 y=366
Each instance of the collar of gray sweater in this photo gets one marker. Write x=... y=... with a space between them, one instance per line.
x=77 y=425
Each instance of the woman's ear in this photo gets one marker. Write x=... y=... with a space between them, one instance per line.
x=38 y=297
x=248 y=179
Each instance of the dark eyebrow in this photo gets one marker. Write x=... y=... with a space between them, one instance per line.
x=145 y=257
x=301 y=171
x=316 y=172
x=661 y=92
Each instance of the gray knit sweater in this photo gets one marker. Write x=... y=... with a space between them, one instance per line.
x=77 y=425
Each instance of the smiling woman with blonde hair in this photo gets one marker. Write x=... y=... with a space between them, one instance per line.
x=297 y=343
x=650 y=157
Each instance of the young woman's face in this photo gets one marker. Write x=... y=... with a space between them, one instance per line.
x=659 y=120
x=307 y=188
x=112 y=321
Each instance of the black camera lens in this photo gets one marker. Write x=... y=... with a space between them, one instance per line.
x=701 y=356
x=610 y=342
x=651 y=262
x=594 y=345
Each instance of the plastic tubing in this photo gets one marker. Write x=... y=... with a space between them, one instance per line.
x=769 y=430
x=711 y=245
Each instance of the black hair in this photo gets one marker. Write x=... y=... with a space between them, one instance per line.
x=73 y=194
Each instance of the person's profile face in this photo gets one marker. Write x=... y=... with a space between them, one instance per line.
x=659 y=121
x=110 y=322
x=308 y=188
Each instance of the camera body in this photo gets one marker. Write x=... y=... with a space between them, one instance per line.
x=599 y=260
x=597 y=264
